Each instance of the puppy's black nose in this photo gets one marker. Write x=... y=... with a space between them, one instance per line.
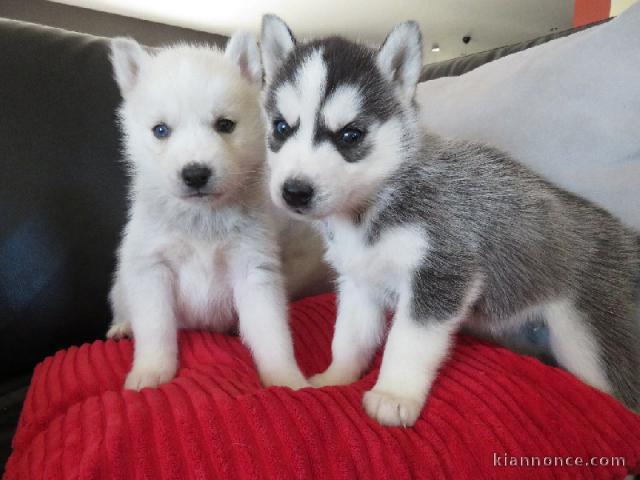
x=196 y=176
x=297 y=193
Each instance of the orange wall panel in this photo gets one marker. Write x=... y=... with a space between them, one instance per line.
x=589 y=11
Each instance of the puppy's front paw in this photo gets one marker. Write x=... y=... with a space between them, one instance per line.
x=120 y=330
x=332 y=376
x=140 y=378
x=392 y=410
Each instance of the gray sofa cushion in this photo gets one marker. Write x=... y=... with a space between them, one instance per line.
x=460 y=65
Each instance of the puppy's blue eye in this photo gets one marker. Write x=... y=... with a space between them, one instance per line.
x=281 y=129
x=161 y=130
x=350 y=136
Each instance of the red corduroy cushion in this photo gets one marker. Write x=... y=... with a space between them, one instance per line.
x=216 y=421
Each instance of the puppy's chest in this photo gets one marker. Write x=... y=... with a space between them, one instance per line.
x=384 y=264
x=203 y=288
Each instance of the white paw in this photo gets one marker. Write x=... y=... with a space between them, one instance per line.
x=140 y=378
x=294 y=380
x=332 y=377
x=120 y=330
x=392 y=410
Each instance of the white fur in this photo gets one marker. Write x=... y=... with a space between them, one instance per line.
x=194 y=262
x=243 y=51
x=358 y=334
x=412 y=358
x=415 y=351
x=341 y=107
x=580 y=354
x=288 y=103
x=126 y=56
x=400 y=58
x=276 y=43
x=381 y=266
x=310 y=84
x=369 y=280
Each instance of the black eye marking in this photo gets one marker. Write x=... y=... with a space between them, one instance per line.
x=224 y=125
x=349 y=136
x=350 y=141
x=280 y=132
x=161 y=130
x=281 y=129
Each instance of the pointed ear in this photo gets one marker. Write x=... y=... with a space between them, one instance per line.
x=276 y=43
x=242 y=49
x=127 y=57
x=400 y=58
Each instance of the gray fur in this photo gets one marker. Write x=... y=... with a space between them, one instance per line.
x=531 y=242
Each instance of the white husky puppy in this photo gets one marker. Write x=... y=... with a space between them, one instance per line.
x=200 y=249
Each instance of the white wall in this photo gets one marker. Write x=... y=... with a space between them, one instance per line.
x=492 y=23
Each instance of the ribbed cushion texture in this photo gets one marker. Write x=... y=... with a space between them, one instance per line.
x=215 y=420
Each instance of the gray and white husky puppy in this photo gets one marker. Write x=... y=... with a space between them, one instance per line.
x=202 y=245
x=449 y=234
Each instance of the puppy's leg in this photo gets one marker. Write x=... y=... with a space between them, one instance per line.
x=261 y=303
x=598 y=344
x=412 y=356
x=418 y=343
x=357 y=335
x=151 y=304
